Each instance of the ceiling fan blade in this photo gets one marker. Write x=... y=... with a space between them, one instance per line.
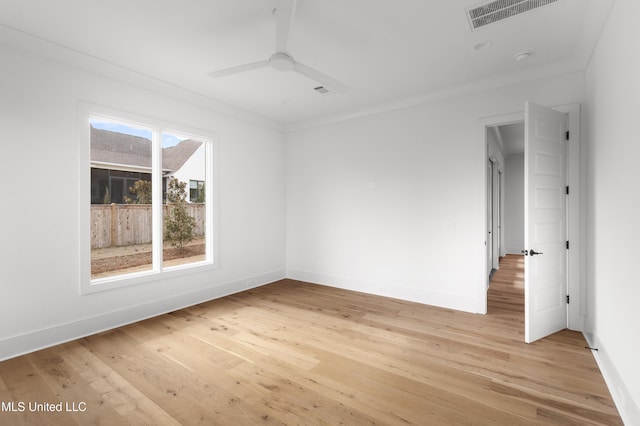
x=285 y=10
x=321 y=78
x=238 y=69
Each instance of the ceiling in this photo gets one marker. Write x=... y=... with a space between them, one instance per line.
x=387 y=52
x=511 y=138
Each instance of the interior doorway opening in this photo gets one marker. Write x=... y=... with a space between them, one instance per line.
x=505 y=218
x=552 y=163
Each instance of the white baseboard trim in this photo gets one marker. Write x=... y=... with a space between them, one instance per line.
x=627 y=407
x=513 y=250
x=14 y=346
x=411 y=294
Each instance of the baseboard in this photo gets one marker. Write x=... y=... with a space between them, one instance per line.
x=450 y=301
x=627 y=407
x=13 y=346
x=513 y=250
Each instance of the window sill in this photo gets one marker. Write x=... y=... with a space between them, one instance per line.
x=127 y=280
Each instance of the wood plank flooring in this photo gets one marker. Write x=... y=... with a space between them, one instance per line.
x=296 y=353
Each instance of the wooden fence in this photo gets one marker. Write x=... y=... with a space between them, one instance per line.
x=115 y=225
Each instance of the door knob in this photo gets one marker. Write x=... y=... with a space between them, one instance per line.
x=533 y=252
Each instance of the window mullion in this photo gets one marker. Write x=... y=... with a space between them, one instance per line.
x=210 y=201
x=157 y=204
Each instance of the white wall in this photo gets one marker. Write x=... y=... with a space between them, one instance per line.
x=613 y=205
x=40 y=303
x=514 y=203
x=394 y=203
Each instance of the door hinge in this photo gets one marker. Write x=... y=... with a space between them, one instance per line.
x=567 y=245
x=567 y=189
x=567 y=299
x=567 y=135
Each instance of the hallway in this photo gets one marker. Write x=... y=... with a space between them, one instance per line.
x=506 y=291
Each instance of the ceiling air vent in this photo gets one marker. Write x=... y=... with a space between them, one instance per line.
x=323 y=90
x=495 y=11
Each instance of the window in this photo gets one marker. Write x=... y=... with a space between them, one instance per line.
x=196 y=191
x=146 y=195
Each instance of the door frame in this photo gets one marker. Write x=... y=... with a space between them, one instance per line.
x=500 y=211
x=491 y=164
x=494 y=212
x=575 y=220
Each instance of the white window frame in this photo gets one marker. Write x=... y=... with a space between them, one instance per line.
x=157 y=271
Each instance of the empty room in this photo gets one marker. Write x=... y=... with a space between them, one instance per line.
x=319 y=212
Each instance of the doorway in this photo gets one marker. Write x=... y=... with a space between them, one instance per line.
x=505 y=208
x=574 y=319
x=505 y=193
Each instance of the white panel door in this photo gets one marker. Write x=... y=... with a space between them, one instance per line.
x=545 y=222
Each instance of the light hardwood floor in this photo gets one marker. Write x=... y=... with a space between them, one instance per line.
x=296 y=353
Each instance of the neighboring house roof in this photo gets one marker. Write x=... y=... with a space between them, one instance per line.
x=174 y=157
x=117 y=148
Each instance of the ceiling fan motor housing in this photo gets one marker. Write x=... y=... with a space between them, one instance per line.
x=281 y=61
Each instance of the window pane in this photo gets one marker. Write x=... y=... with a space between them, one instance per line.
x=121 y=228
x=183 y=164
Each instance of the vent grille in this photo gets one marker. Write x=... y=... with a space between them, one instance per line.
x=495 y=11
x=325 y=91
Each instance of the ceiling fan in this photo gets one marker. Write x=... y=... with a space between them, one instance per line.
x=281 y=60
